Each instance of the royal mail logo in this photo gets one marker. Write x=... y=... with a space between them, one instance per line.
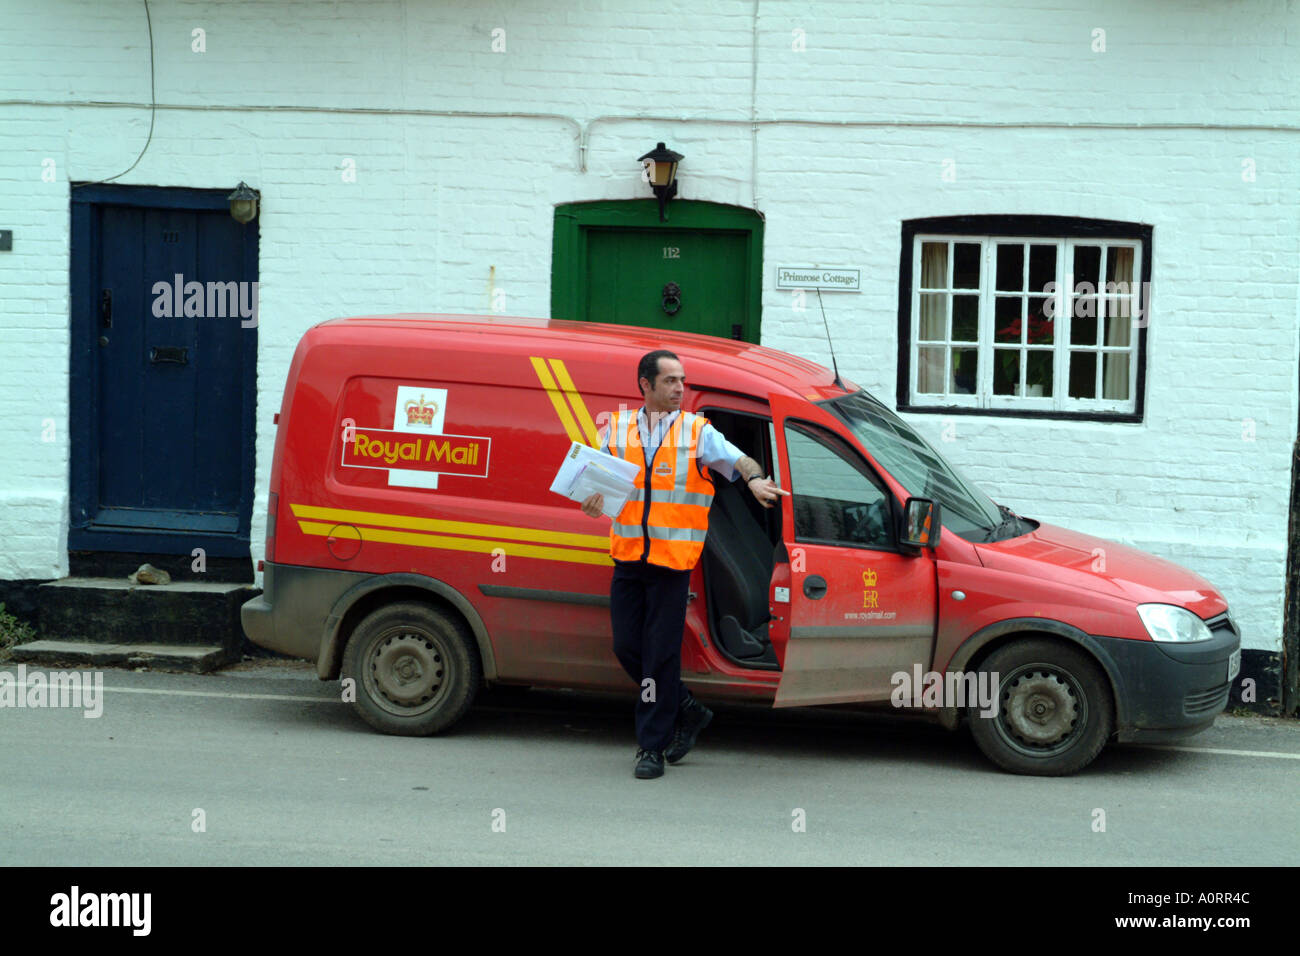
x=442 y=454
x=869 y=577
x=663 y=468
x=420 y=412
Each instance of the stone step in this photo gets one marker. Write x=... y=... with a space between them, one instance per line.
x=181 y=657
x=113 y=564
x=114 y=611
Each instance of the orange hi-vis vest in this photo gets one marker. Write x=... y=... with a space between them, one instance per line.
x=679 y=494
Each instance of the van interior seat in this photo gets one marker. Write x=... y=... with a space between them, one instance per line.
x=738 y=562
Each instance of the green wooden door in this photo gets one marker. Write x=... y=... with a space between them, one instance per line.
x=628 y=272
x=615 y=262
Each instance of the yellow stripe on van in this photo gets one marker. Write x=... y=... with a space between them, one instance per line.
x=575 y=399
x=556 y=397
x=346 y=516
x=481 y=545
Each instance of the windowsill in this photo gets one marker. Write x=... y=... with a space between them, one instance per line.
x=1082 y=416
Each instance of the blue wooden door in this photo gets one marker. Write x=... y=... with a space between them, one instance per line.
x=169 y=306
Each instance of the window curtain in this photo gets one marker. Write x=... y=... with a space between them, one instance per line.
x=930 y=373
x=1115 y=374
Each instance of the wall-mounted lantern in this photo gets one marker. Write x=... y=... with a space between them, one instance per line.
x=243 y=203
x=659 y=169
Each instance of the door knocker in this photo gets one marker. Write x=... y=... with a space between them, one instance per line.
x=672 y=298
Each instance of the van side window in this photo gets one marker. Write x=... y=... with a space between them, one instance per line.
x=754 y=435
x=836 y=498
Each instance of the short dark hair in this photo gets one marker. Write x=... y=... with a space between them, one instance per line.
x=648 y=367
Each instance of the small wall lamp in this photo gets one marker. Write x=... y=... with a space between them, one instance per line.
x=659 y=169
x=243 y=203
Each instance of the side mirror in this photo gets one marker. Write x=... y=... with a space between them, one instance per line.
x=921 y=524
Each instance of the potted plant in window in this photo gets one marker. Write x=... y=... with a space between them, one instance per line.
x=1040 y=333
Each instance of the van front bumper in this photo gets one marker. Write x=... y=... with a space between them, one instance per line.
x=1169 y=691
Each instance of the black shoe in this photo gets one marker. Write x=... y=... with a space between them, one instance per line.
x=693 y=718
x=649 y=764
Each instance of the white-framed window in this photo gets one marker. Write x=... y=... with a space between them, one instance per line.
x=1025 y=323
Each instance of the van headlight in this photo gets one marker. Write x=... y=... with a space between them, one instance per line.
x=1172 y=624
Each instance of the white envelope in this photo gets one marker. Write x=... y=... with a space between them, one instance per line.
x=586 y=471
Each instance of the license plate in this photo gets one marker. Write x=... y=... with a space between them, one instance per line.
x=1234 y=664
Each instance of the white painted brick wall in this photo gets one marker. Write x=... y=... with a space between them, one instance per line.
x=439 y=201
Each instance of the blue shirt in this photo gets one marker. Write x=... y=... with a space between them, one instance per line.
x=714 y=450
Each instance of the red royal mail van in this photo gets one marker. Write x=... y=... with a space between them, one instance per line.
x=414 y=547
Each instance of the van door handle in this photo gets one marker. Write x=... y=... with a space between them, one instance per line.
x=814 y=586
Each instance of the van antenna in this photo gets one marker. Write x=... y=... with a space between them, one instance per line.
x=829 y=344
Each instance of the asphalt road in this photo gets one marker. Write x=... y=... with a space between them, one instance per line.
x=284 y=773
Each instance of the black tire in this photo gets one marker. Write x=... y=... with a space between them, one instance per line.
x=415 y=669
x=1055 y=709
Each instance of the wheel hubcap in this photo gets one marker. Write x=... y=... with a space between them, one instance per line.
x=1042 y=709
x=407 y=668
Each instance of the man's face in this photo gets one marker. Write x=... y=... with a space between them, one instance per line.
x=670 y=385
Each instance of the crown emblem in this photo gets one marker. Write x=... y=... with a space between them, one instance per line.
x=869 y=577
x=420 y=412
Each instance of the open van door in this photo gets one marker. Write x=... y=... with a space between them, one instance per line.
x=860 y=609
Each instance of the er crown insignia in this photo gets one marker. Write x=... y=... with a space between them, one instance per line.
x=420 y=412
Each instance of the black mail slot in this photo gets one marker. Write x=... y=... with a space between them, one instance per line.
x=175 y=354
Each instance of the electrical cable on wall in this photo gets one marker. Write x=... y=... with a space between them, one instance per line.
x=153 y=109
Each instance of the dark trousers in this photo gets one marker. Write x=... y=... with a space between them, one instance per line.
x=648 y=608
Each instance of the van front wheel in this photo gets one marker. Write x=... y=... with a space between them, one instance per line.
x=414 y=669
x=1054 y=712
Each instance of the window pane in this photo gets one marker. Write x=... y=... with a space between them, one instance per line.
x=1007 y=311
x=1114 y=379
x=965 y=362
x=920 y=469
x=934 y=265
x=1119 y=320
x=1038 y=373
x=1119 y=290
x=1083 y=375
x=1006 y=371
x=1083 y=326
x=930 y=373
x=1042 y=267
x=1087 y=266
x=1041 y=328
x=934 y=316
x=965 y=318
x=1011 y=267
x=1119 y=270
x=966 y=266
x=833 y=501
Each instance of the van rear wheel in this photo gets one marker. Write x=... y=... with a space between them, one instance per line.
x=415 y=669
x=1055 y=710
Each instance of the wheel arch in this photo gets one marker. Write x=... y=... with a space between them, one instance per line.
x=989 y=638
x=365 y=596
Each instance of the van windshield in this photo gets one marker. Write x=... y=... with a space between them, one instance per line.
x=920 y=469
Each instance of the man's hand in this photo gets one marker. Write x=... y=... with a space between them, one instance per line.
x=593 y=505
x=766 y=491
